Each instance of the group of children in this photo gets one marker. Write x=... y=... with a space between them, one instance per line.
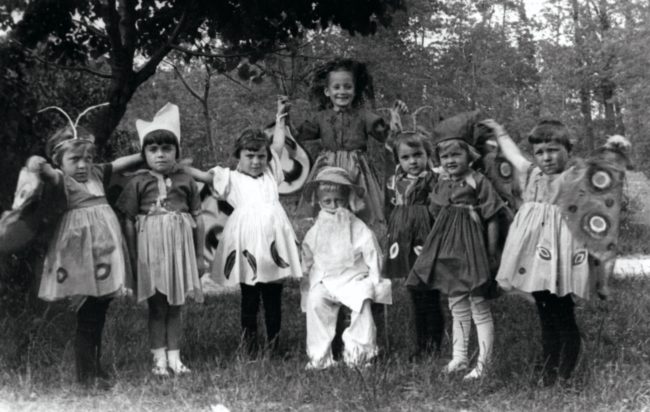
x=443 y=233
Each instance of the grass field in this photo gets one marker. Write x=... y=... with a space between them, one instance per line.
x=37 y=368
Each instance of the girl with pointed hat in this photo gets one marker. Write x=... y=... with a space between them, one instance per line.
x=165 y=236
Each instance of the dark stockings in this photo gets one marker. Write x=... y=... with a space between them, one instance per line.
x=428 y=320
x=560 y=335
x=91 y=317
x=271 y=297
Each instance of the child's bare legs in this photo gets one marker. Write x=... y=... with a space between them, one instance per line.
x=165 y=329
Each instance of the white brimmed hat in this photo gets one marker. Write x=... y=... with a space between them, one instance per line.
x=167 y=118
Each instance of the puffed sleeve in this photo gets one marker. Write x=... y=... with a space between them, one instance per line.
x=489 y=202
x=275 y=166
x=308 y=130
x=194 y=200
x=129 y=201
x=376 y=126
x=221 y=181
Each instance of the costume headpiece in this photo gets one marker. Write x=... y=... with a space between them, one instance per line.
x=167 y=118
x=339 y=176
x=70 y=131
x=462 y=126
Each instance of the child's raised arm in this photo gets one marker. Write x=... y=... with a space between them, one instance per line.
x=278 y=132
x=199 y=175
x=38 y=164
x=508 y=147
x=126 y=162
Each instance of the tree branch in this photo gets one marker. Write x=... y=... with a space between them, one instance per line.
x=229 y=77
x=215 y=55
x=92 y=28
x=187 y=85
x=150 y=67
x=84 y=69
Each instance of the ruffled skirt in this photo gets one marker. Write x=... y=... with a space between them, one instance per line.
x=540 y=253
x=408 y=228
x=454 y=257
x=87 y=256
x=167 y=258
x=258 y=245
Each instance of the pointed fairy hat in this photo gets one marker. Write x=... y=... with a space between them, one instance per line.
x=167 y=118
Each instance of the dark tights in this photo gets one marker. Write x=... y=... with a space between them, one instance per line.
x=560 y=335
x=428 y=320
x=271 y=297
x=91 y=317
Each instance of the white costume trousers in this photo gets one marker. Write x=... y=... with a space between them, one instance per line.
x=359 y=339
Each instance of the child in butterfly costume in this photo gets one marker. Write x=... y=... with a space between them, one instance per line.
x=562 y=241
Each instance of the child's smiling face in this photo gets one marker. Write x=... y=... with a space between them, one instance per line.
x=253 y=162
x=340 y=88
x=551 y=157
x=412 y=160
x=454 y=159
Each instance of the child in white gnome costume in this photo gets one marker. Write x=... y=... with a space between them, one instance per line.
x=165 y=235
x=342 y=263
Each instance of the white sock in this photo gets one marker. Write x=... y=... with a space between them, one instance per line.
x=159 y=357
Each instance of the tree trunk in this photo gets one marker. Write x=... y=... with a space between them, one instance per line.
x=583 y=78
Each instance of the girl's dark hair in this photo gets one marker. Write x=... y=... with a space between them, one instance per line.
x=363 y=87
x=254 y=140
x=161 y=136
x=413 y=139
x=548 y=131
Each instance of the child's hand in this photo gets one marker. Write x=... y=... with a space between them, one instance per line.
x=283 y=108
x=400 y=107
x=35 y=164
x=496 y=128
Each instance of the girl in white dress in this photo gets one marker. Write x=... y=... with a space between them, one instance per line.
x=259 y=247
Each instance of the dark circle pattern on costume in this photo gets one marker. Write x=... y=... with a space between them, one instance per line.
x=61 y=275
x=505 y=170
x=276 y=257
x=596 y=225
x=393 y=251
x=543 y=253
x=522 y=271
x=102 y=271
x=600 y=180
x=579 y=258
x=252 y=262
x=230 y=263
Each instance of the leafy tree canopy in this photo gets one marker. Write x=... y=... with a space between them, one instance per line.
x=125 y=40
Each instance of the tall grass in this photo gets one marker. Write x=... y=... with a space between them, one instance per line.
x=613 y=373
